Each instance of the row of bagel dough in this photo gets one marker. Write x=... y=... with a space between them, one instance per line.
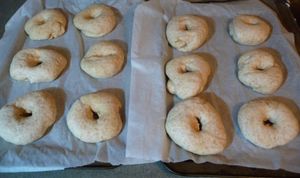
x=92 y=118
x=96 y=20
x=194 y=124
x=102 y=60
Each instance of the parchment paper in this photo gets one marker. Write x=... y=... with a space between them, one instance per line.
x=59 y=149
x=146 y=138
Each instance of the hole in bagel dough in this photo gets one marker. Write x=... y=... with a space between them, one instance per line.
x=23 y=113
x=196 y=124
x=41 y=22
x=186 y=27
x=259 y=68
x=268 y=123
x=26 y=114
x=33 y=61
x=93 y=15
x=95 y=115
x=185 y=68
x=37 y=63
x=199 y=124
x=262 y=68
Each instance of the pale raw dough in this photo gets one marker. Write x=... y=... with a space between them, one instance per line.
x=196 y=126
x=187 y=75
x=261 y=70
x=187 y=32
x=28 y=118
x=47 y=24
x=104 y=59
x=267 y=123
x=95 y=117
x=96 y=20
x=249 y=29
x=37 y=65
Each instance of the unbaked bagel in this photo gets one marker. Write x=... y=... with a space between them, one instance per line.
x=267 y=123
x=28 y=118
x=196 y=126
x=37 y=65
x=261 y=70
x=187 y=75
x=187 y=32
x=96 y=20
x=249 y=29
x=47 y=24
x=95 y=117
x=104 y=59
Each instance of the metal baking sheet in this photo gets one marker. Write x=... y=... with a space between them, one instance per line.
x=190 y=168
x=146 y=135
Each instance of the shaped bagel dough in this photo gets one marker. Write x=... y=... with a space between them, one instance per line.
x=261 y=70
x=37 y=65
x=187 y=32
x=47 y=24
x=196 y=126
x=188 y=75
x=103 y=60
x=95 y=117
x=267 y=123
x=96 y=20
x=28 y=118
x=249 y=30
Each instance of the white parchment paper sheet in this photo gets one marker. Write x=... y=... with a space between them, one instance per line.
x=59 y=148
x=146 y=136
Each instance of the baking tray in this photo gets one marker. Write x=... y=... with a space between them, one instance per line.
x=76 y=161
x=97 y=165
x=189 y=168
x=286 y=10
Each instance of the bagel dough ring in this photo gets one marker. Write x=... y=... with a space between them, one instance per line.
x=103 y=60
x=28 y=118
x=37 y=65
x=196 y=126
x=47 y=24
x=95 y=117
x=187 y=32
x=261 y=70
x=267 y=123
x=249 y=30
x=96 y=20
x=187 y=75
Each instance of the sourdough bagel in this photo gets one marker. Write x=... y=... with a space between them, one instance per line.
x=95 y=117
x=103 y=60
x=196 y=126
x=187 y=32
x=188 y=75
x=37 y=65
x=28 y=118
x=267 y=123
x=249 y=29
x=96 y=20
x=261 y=70
x=47 y=24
